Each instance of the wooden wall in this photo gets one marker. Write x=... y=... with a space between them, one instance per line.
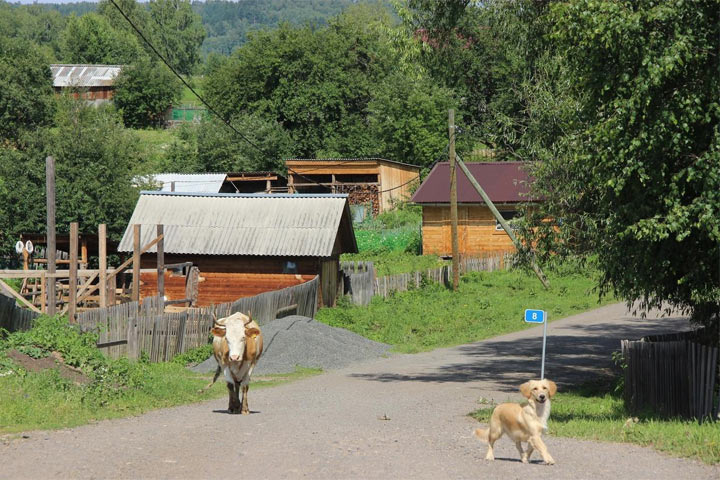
x=476 y=231
x=392 y=176
x=225 y=278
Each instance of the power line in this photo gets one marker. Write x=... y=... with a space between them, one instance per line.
x=209 y=107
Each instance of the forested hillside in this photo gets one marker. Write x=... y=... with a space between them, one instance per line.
x=227 y=23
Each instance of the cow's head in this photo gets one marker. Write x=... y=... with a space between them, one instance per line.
x=235 y=330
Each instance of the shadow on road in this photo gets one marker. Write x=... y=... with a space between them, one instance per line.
x=575 y=354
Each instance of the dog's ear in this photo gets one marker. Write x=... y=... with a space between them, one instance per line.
x=551 y=387
x=525 y=389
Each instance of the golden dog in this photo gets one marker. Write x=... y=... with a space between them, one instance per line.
x=522 y=423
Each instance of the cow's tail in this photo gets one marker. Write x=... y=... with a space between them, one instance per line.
x=483 y=434
x=217 y=374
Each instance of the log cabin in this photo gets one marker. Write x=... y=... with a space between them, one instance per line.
x=243 y=244
x=479 y=233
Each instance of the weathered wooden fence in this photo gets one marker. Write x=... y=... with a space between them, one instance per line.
x=671 y=376
x=361 y=283
x=129 y=329
x=14 y=318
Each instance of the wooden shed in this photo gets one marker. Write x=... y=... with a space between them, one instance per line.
x=507 y=185
x=94 y=83
x=375 y=182
x=244 y=244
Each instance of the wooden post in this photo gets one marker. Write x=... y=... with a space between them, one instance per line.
x=84 y=252
x=50 y=232
x=136 y=264
x=453 y=204
x=43 y=293
x=102 y=263
x=500 y=219
x=172 y=186
x=73 y=282
x=161 y=263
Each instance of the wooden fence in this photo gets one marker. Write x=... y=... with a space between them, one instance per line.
x=673 y=378
x=129 y=329
x=14 y=318
x=361 y=284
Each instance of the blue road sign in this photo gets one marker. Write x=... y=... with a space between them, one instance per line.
x=534 y=316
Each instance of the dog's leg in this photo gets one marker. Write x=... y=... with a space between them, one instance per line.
x=528 y=452
x=523 y=456
x=539 y=445
x=494 y=433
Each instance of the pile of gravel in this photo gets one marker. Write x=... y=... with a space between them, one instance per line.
x=301 y=341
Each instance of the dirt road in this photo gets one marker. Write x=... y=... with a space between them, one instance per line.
x=398 y=417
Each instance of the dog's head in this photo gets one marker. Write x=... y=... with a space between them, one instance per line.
x=538 y=390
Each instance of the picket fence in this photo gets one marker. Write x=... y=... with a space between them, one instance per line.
x=672 y=376
x=361 y=285
x=14 y=318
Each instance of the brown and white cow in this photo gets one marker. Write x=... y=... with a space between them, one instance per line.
x=237 y=346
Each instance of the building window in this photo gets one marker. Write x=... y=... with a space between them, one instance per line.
x=290 y=267
x=508 y=216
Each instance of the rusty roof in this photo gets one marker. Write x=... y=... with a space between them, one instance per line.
x=71 y=75
x=243 y=224
x=504 y=182
x=341 y=161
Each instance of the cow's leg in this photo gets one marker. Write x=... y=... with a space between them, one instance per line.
x=245 y=410
x=233 y=401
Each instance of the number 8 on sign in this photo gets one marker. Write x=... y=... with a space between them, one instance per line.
x=534 y=316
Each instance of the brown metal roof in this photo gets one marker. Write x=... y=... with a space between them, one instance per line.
x=504 y=182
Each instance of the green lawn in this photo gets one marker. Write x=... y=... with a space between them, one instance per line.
x=487 y=304
x=154 y=142
x=596 y=412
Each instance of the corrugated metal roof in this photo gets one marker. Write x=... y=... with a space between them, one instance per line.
x=66 y=75
x=350 y=160
x=504 y=182
x=241 y=224
x=190 y=182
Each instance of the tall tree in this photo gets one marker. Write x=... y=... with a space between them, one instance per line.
x=177 y=32
x=95 y=161
x=144 y=91
x=639 y=183
x=26 y=95
x=92 y=39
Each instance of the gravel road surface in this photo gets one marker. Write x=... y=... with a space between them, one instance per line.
x=400 y=417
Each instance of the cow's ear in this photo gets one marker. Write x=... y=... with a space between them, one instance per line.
x=525 y=389
x=218 y=332
x=252 y=332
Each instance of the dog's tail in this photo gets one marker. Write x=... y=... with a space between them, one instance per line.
x=483 y=434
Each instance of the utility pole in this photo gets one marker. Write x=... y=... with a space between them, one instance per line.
x=453 y=203
x=501 y=220
x=50 y=232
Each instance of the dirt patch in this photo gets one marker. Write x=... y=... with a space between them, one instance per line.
x=55 y=360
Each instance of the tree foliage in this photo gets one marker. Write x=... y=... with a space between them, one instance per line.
x=92 y=39
x=95 y=159
x=639 y=184
x=25 y=89
x=144 y=91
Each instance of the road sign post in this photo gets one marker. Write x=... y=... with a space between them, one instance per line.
x=539 y=316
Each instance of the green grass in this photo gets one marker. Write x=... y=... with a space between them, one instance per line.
x=595 y=412
x=487 y=304
x=154 y=142
x=391 y=263
x=46 y=401
x=113 y=388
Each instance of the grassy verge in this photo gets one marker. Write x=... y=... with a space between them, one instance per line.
x=487 y=304
x=98 y=388
x=44 y=400
x=596 y=412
